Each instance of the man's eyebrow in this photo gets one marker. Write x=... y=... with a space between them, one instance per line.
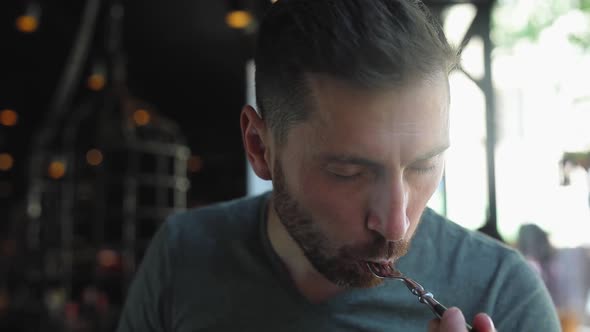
x=349 y=159
x=356 y=160
x=433 y=153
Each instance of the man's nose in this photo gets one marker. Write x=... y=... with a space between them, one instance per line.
x=388 y=212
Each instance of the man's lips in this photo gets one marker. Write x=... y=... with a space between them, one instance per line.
x=377 y=264
x=380 y=261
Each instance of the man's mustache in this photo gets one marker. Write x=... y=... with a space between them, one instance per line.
x=378 y=250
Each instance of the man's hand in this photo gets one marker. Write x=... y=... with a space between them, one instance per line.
x=453 y=321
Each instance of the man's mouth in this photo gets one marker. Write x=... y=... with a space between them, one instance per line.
x=377 y=265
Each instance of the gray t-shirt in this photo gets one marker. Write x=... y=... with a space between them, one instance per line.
x=213 y=269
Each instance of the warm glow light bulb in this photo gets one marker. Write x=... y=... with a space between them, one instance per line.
x=27 y=23
x=238 y=19
x=141 y=117
x=96 y=82
x=56 y=170
x=94 y=157
x=195 y=164
x=8 y=118
x=6 y=162
x=107 y=258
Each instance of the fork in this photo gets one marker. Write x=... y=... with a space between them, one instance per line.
x=387 y=271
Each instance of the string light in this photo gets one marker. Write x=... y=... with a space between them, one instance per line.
x=6 y=162
x=94 y=157
x=141 y=117
x=29 y=21
x=238 y=19
x=107 y=258
x=195 y=164
x=56 y=169
x=96 y=82
x=8 y=117
x=27 y=24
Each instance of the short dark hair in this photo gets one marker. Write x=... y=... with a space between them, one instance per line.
x=369 y=43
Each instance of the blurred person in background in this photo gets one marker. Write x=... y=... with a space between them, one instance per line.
x=565 y=271
x=533 y=242
x=351 y=127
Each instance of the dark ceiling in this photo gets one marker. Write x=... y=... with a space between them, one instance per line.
x=181 y=56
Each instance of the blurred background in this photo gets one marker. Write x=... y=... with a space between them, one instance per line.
x=115 y=114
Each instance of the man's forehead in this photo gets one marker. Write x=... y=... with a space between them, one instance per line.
x=331 y=94
x=402 y=111
x=402 y=146
x=376 y=124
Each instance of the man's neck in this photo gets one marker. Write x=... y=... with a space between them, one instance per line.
x=310 y=283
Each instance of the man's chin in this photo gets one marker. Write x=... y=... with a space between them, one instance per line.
x=370 y=282
x=367 y=281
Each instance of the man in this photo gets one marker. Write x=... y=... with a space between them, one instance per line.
x=352 y=127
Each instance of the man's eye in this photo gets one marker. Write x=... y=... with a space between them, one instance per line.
x=423 y=169
x=345 y=172
x=346 y=176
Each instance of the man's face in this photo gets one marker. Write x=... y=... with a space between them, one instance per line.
x=351 y=182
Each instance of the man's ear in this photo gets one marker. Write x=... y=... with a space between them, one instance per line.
x=256 y=138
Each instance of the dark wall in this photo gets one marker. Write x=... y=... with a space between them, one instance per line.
x=182 y=58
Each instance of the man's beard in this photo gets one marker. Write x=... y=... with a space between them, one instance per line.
x=345 y=266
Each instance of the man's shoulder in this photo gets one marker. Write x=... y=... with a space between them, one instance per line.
x=210 y=225
x=451 y=250
x=479 y=273
x=228 y=211
x=450 y=235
